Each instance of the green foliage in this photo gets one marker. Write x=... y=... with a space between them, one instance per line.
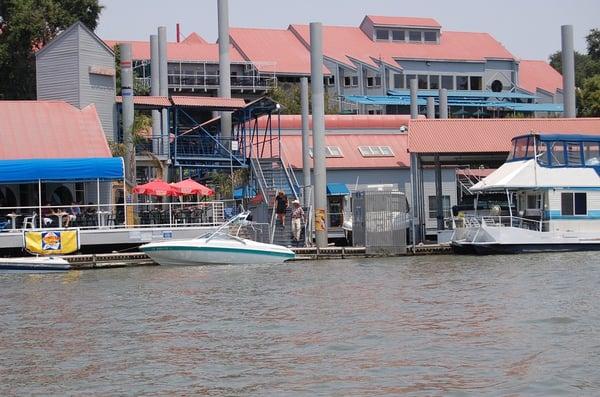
x=222 y=181
x=288 y=96
x=26 y=25
x=585 y=66
x=142 y=128
x=593 y=44
x=590 y=97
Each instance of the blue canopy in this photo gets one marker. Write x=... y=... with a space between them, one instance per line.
x=61 y=170
x=337 y=189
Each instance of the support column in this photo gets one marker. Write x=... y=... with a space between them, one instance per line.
x=430 y=108
x=224 y=65
x=443 y=103
x=155 y=91
x=438 y=193
x=318 y=123
x=305 y=141
x=568 y=71
x=414 y=107
x=163 y=65
x=127 y=112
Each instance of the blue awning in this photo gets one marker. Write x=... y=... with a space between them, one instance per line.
x=337 y=189
x=61 y=170
x=244 y=192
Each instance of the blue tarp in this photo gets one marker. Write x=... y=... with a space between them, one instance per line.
x=241 y=193
x=337 y=189
x=60 y=170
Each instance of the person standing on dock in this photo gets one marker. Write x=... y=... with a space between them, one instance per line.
x=297 y=220
x=281 y=204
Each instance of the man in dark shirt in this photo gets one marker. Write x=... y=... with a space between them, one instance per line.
x=281 y=204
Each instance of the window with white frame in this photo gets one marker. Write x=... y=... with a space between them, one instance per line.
x=330 y=151
x=398 y=35
x=376 y=151
x=374 y=81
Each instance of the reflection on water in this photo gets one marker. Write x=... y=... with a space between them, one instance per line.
x=440 y=325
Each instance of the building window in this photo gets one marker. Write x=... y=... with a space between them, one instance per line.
x=376 y=151
x=354 y=81
x=476 y=83
x=448 y=82
x=462 y=82
x=422 y=81
x=414 y=35
x=398 y=35
x=433 y=206
x=434 y=82
x=381 y=34
x=350 y=81
x=374 y=81
x=79 y=192
x=410 y=77
x=430 y=36
x=573 y=203
x=398 y=80
x=329 y=80
x=374 y=111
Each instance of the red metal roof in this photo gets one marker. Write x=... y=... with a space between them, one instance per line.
x=378 y=20
x=208 y=102
x=341 y=122
x=147 y=100
x=50 y=129
x=539 y=74
x=273 y=50
x=194 y=38
x=343 y=43
x=194 y=49
x=486 y=135
x=348 y=144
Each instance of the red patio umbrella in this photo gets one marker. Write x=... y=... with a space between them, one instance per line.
x=190 y=186
x=156 y=187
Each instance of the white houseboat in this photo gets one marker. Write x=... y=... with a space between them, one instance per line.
x=552 y=185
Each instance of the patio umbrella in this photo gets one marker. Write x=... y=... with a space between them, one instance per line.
x=156 y=187
x=190 y=186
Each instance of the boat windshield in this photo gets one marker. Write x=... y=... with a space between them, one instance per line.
x=522 y=149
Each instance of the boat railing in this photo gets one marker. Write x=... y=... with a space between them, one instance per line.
x=514 y=221
x=114 y=216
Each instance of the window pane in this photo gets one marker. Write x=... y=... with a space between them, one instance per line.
x=542 y=153
x=430 y=36
x=422 y=81
x=347 y=81
x=557 y=155
x=355 y=80
x=433 y=206
x=414 y=35
x=381 y=34
x=462 y=83
x=378 y=81
x=398 y=35
x=434 y=82
x=386 y=151
x=476 y=83
x=448 y=82
x=398 y=80
x=591 y=153
x=369 y=81
x=574 y=154
x=566 y=203
x=580 y=203
x=520 y=149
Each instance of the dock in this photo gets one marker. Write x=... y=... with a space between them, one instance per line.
x=133 y=259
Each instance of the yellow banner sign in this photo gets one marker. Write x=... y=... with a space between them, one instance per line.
x=51 y=242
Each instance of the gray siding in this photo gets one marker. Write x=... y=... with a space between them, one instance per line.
x=94 y=88
x=57 y=74
x=412 y=67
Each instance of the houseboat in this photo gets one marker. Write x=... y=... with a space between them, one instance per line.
x=552 y=188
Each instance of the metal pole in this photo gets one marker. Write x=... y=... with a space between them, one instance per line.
x=305 y=140
x=155 y=91
x=568 y=69
x=98 y=192
x=430 y=108
x=414 y=107
x=318 y=123
x=40 y=220
x=163 y=68
x=443 y=103
x=224 y=65
x=127 y=109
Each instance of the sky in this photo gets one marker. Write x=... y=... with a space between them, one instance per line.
x=529 y=29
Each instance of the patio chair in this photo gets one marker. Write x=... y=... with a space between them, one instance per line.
x=29 y=221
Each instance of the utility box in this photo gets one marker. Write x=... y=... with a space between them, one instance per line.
x=379 y=222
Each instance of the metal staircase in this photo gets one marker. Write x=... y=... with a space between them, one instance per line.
x=466 y=180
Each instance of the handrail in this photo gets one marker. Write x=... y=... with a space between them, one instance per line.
x=260 y=177
x=289 y=179
x=273 y=224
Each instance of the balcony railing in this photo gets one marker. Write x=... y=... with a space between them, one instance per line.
x=192 y=81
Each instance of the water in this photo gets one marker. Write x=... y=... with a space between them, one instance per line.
x=438 y=325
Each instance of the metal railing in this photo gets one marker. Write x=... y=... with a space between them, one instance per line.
x=201 y=81
x=501 y=221
x=103 y=216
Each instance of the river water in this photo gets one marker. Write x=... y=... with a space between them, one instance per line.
x=434 y=325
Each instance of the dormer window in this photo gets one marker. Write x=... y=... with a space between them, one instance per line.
x=430 y=37
x=398 y=35
x=414 y=36
x=382 y=34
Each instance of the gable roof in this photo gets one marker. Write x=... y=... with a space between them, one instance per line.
x=363 y=122
x=378 y=20
x=58 y=129
x=68 y=31
x=539 y=74
x=194 y=38
x=486 y=135
x=273 y=50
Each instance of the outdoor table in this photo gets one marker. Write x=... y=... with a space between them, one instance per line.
x=60 y=216
x=13 y=219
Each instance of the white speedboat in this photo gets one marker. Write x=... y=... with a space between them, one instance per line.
x=552 y=185
x=218 y=247
x=34 y=264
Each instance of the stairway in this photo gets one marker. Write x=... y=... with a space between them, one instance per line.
x=275 y=177
x=284 y=236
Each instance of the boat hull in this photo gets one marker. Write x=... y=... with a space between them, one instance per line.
x=34 y=265
x=503 y=249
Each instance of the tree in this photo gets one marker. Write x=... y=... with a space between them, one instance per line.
x=590 y=97
x=585 y=66
x=593 y=44
x=28 y=25
x=288 y=96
